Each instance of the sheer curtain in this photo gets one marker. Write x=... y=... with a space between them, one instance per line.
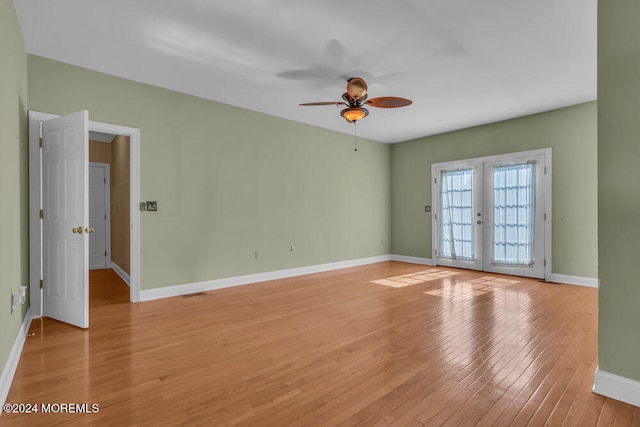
x=456 y=235
x=513 y=214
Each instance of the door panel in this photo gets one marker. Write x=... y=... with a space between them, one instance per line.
x=459 y=201
x=514 y=208
x=65 y=206
x=98 y=217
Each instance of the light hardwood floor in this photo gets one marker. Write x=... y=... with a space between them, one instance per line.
x=385 y=344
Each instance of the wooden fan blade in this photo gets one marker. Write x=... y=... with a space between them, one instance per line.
x=388 y=102
x=322 y=103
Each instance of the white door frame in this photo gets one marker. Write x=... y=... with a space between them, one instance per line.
x=546 y=152
x=107 y=208
x=35 y=204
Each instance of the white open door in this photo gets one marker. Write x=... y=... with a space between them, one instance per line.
x=65 y=202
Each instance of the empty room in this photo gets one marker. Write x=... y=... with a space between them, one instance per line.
x=319 y=213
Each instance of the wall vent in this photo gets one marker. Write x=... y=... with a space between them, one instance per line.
x=197 y=294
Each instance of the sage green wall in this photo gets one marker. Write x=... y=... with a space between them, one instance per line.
x=230 y=182
x=572 y=134
x=14 y=200
x=619 y=187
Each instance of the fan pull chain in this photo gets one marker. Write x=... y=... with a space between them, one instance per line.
x=355 y=136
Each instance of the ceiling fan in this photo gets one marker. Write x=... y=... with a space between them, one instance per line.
x=356 y=97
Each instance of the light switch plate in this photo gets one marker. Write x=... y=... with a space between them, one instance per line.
x=152 y=206
x=143 y=206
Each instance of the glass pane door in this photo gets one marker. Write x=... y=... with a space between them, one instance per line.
x=515 y=217
x=460 y=239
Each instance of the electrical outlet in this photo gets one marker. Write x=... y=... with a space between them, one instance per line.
x=257 y=255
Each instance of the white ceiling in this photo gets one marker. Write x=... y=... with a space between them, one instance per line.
x=462 y=62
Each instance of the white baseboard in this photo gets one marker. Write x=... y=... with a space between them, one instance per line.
x=413 y=260
x=115 y=267
x=14 y=357
x=574 y=280
x=209 y=285
x=617 y=387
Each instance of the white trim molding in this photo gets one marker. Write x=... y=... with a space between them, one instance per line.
x=413 y=260
x=617 y=387
x=574 y=280
x=14 y=357
x=120 y=272
x=209 y=285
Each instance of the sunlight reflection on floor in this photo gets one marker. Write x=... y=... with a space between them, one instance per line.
x=415 y=278
x=472 y=288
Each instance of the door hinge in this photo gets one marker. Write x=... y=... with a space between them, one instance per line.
x=41 y=213
x=40 y=142
x=105 y=216
x=545 y=217
x=545 y=263
x=41 y=283
x=105 y=253
x=545 y=170
x=435 y=180
x=435 y=216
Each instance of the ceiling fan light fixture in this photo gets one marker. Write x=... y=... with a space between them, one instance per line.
x=356 y=96
x=353 y=114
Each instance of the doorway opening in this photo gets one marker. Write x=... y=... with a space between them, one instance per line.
x=109 y=212
x=130 y=254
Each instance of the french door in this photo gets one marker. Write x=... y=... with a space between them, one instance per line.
x=459 y=192
x=490 y=213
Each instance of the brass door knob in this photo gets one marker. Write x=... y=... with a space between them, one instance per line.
x=478 y=222
x=77 y=230
x=89 y=230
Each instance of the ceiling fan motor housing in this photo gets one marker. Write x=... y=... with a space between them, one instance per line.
x=356 y=88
